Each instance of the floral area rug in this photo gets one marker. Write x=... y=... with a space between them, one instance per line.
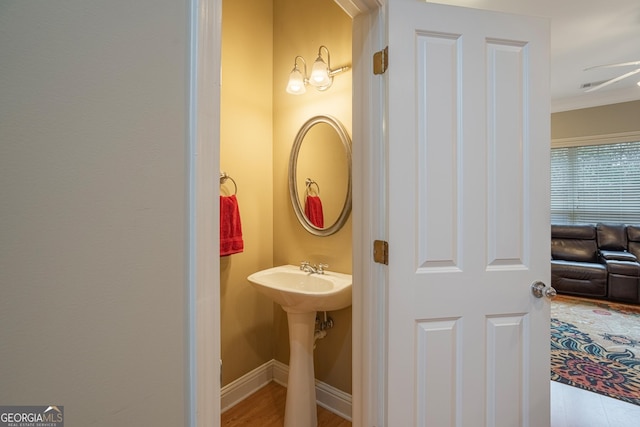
x=595 y=345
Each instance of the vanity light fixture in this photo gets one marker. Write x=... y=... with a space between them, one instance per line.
x=321 y=74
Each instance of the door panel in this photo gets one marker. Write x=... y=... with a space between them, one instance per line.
x=506 y=142
x=468 y=145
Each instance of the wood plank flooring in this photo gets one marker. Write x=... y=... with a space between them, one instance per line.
x=265 y=408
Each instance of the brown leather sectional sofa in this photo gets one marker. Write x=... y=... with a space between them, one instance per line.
x=599 y=261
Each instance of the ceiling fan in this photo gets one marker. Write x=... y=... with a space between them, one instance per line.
x=595 y=86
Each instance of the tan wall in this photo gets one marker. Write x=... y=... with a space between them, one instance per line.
x=93 y=183
x=246 y=155
x=603 y=120
x=300 y=27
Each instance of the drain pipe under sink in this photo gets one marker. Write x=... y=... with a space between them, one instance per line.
x=320 y=333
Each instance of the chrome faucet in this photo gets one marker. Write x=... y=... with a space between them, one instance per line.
x=312 y=268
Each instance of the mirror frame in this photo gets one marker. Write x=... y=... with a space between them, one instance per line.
x=293 y=163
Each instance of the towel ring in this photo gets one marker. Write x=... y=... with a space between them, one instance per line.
x=311 y=182
x=224 y=177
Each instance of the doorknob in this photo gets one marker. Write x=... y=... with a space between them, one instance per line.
x=539 y=290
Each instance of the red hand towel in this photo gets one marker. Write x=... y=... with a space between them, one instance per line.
x=230 y=227
x=313 y=211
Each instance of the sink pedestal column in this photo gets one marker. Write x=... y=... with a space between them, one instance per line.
x=300 y=409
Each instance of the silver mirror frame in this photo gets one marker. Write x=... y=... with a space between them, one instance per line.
x=293 y=164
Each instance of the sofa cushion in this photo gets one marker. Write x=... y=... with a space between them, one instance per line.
x=618 y=256
x=633 y=234
x=634 y=248
x=579 y=278
x=624 y=268
x=574 y=250
x=579 y=270
x=579 y=231
x=612 y=237
x=574 y=243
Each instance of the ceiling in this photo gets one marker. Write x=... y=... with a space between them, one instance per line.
x=584 y=33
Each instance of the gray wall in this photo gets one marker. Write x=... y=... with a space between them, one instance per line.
x=93 y=127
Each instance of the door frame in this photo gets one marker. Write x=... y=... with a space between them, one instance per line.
x=202 y=374
x=369 y=214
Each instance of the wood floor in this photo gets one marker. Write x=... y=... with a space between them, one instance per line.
x=570 y=407
x=265 y=408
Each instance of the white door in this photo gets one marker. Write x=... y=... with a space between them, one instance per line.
x=468 y=217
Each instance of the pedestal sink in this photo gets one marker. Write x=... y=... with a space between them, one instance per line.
x=301 y=295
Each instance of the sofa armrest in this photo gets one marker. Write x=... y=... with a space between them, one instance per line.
x=618 y=256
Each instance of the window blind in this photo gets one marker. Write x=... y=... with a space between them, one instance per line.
x=596 y=183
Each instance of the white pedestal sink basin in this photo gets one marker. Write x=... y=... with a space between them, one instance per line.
x=297 y=290
x=301 y=294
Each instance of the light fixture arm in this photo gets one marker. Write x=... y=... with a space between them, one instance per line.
x=338 y=70
x=332 y=72
x=328 y=55
x=304 y=63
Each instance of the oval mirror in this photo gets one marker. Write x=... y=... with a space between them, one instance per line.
x=320 y=175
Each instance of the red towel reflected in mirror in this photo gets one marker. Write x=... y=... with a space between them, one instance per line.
x=313 y=211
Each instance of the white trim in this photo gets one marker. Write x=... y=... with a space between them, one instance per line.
x=280 y=373
x=238 y=390
x=369 y=198
x=611 y=138
x=354 y=8
x=203 y=386
x=333 y=400
x=330 y=398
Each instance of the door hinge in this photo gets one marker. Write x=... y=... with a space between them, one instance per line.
x=381 y=252
x=381 y=61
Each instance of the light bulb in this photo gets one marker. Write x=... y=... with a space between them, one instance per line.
x=296 y=85
x=320 y=73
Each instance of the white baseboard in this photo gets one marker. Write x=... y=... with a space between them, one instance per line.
x=280 y=372
x=238 y=390
x=328 y=397
x=334 y=400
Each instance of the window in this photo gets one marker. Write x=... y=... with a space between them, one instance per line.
x=596 y=183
